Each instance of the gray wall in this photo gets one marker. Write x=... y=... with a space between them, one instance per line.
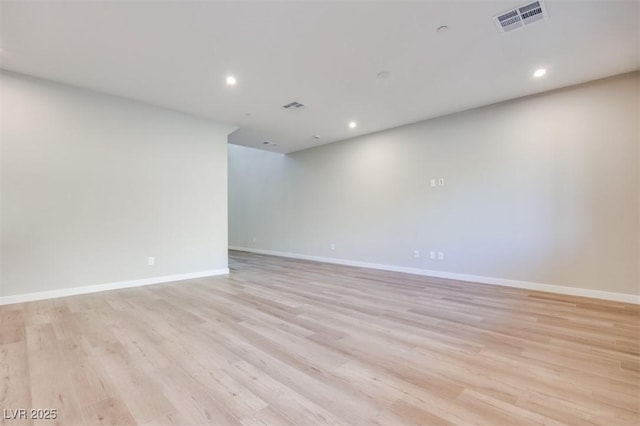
x=543 y=189
x=92 y=185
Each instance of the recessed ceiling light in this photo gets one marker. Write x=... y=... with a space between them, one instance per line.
x=316 y=136
x=442 y=29
x=247 y=114
x=353 y=125
x=539 y=73
x=383 y=74
x=231 y=80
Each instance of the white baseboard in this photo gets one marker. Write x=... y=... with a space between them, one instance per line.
x=573 y=291
x=51 y=294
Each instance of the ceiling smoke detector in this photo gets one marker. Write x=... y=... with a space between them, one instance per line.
x=522 y=16
x=293 y=105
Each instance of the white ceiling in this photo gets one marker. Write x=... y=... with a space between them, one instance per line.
x=325 y=55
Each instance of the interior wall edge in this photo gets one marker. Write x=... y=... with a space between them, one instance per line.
x=97 y=188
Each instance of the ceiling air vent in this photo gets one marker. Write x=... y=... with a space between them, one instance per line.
x=521 y=17
x=293 y=105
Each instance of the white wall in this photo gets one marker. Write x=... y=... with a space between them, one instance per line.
x=543 y=189
x=93 y=184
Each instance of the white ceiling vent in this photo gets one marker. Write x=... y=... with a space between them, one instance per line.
x=293 y=105
x=519 y=18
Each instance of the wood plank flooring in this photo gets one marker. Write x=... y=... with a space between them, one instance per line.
x=291 y=342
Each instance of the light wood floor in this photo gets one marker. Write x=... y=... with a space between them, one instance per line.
x=291 y=342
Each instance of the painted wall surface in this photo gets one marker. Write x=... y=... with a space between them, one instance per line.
x=544 y=189
x=92 y=185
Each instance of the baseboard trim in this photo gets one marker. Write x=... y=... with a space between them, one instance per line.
x=73 y=291
x=527 y=285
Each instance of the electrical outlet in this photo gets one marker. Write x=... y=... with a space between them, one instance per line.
x=151 y=261
x=253 y=239
x=432 y=255
x=440 y=255
x=441 y=182
x=416 y=253
x=333 y=246
x=433 y=183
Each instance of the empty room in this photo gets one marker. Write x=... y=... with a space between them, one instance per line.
x=320 y=212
